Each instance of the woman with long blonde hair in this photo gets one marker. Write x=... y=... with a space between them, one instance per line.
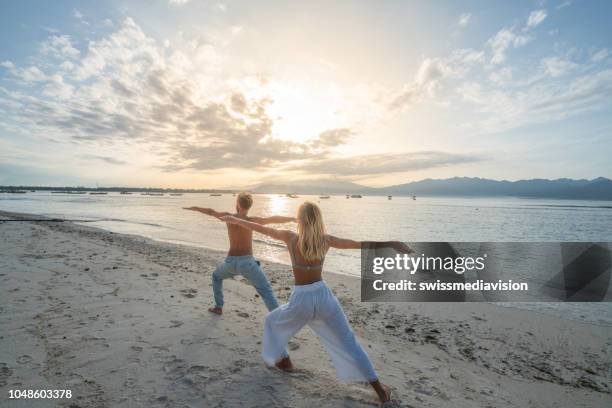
x=313 y=303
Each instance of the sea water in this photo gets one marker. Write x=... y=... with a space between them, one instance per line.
x=371 y=218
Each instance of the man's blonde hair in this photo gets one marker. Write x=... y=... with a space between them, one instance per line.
x=245 y=200
x=311 y=232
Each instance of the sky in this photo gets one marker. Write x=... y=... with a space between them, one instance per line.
x=209 y=94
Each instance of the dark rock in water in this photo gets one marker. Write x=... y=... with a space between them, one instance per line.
x=243 y=314
x=408 y=330
x=390 y=326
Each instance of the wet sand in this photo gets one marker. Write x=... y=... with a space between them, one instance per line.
x=121 y=321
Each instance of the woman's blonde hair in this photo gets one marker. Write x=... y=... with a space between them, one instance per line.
x=311 y=232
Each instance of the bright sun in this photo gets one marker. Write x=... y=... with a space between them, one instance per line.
x=302 y=112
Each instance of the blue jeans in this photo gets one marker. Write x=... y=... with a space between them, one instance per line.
x=248 y=267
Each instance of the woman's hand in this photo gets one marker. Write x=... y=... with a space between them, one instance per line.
x=402 y=248
x=230 y=219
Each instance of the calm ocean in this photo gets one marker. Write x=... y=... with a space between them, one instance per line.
x=425 y=219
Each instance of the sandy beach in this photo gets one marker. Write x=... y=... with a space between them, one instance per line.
x=121 y=321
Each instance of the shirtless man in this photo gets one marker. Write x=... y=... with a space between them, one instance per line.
x=240 y=260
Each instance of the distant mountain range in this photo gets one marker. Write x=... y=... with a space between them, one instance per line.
x=596 y=189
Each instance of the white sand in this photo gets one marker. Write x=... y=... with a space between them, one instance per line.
x=122 y=322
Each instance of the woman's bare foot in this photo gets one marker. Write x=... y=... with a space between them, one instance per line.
x=216 y=310
x=387 y=395
x=285 y=364
x=383 y=392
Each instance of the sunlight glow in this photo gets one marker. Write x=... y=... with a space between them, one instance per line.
x=303 y=111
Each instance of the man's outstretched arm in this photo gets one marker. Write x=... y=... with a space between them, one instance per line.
x=275 y=219
x=207 y=211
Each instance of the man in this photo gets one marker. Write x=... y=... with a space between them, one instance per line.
x=240 y=260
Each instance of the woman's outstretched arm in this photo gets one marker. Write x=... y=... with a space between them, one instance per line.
x=344 y=243
x=281 y=235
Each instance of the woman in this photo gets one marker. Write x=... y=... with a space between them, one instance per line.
x=313 y=303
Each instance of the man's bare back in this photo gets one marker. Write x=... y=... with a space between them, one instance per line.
x=241 y=245
x=240 y=239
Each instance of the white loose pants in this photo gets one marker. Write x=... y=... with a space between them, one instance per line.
x=316 y=306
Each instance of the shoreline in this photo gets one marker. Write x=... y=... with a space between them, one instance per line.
x=121 y=320
x=528 y=306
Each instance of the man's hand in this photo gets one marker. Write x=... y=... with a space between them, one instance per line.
x=191 y=208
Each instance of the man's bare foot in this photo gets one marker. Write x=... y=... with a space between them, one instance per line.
x=285 y=364
x=216 y=310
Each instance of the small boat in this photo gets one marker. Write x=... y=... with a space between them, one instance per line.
x=414 y=197
x=355 y=195
x=125 y=192
x=76 y=192
x=98 y=193
x=156 y=194
x=389 y=197
x=215 y=194
x=292 y=195
x=176 y=194
x=324 y=197
x=348 y=196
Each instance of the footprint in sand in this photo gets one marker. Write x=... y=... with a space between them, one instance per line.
x=189 y=293
x=5 y=373
x=175 y=323
x=130 y=383
x=25 y=359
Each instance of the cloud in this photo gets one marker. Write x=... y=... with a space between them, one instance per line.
x=556 y=66
x=106 y=159
x=541 y=101
x=59 y=46
x=535 y=18
x=332 y=138
x=178 y=2
x=600 y=55
x=430 y=74
x=564 y=5
x=374 y=164
x=77 y=14
x=126 y=89
x=505 y=38
x=31 y=74
x=464 y=19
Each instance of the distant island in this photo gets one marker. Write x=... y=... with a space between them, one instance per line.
x=597 y=189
